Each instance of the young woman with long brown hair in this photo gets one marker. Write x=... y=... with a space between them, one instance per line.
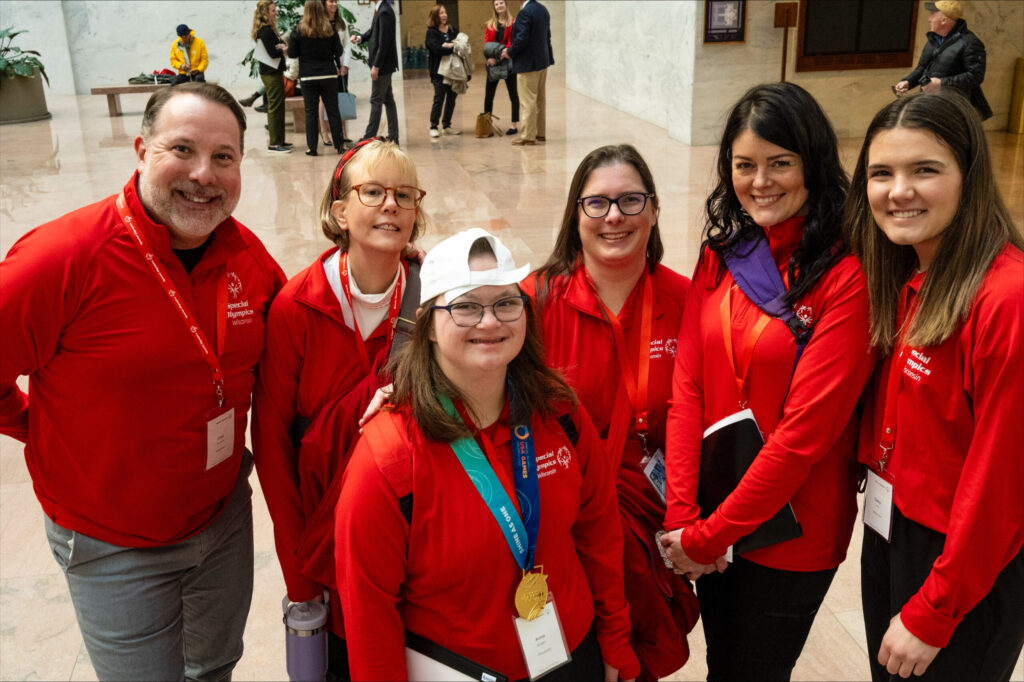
x=942 y=569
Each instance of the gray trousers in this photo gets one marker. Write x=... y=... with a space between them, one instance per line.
x=164 y=613
x=381 y=95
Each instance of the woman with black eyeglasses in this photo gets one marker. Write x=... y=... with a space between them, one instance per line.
x=610 y=315
x=474 y=512
x=329 y=333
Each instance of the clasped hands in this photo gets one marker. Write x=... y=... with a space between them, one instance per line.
x=684 y=565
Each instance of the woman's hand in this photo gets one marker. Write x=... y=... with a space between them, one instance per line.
x=343 y=71
x=447 y=45
x=490 y=61
x=411 y=251
x=376 y=402
x=282 y=46
x=902 y=653
x=683 y=564
x=612 y=674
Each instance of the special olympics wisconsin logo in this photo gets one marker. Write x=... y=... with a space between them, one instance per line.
x=234 y=285
x=564 y=457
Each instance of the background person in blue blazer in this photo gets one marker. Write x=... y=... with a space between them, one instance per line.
x=382 y=57
x=531 y=55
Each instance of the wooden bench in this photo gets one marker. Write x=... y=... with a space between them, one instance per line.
x=298 y=109
x=114 y=92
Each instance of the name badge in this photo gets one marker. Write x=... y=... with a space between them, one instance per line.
x=220 y=436
x=542 y=641
x=654 y=470
x=878 y=505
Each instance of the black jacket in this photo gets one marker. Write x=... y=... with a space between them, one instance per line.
x=317 y=56
x=270 y=39
x=434 y=41
x=958 y=61
x=531 y=39
x=382 y=50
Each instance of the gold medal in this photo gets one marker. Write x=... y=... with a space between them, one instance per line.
x=532 y=594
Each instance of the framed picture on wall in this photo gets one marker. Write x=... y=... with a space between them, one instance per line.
x=725 y=21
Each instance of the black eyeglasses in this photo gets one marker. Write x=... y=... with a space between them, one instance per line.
x=469 y=314
x=598 y=205
x=371 y=194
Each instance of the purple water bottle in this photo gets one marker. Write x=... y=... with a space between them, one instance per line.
x=305 y=640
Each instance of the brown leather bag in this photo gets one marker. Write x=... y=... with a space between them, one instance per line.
x=485 y=125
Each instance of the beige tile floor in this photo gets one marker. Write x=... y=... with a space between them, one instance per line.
x=81 y=155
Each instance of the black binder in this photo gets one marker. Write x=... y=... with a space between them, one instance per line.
x=726 y=452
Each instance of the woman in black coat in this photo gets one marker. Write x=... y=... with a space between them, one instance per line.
x=440 y=42
x=315 y=43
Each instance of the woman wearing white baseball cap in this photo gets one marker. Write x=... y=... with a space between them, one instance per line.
x=474 y=510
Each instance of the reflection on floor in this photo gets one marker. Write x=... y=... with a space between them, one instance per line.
x=82 y=155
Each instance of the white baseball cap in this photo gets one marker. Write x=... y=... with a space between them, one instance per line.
x=445 y=270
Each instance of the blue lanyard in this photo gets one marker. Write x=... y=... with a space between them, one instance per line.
x=520 y=534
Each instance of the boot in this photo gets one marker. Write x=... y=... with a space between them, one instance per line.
x=247 y=102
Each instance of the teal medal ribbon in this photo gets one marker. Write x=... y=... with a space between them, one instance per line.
x=520 y=534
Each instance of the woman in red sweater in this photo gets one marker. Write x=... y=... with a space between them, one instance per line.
x=499 y=30
x=780 y=185
x=611 y=315
x=329 y=332
x=942 y=569
x=481 y=501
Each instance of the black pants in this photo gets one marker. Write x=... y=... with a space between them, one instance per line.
x=443 y=95
x=382 y=96
x=197 y=77
x=337 y=659
x=513 y=94
x=586 y=663
x=313 y=91
x=985 y=645
x=756 y=619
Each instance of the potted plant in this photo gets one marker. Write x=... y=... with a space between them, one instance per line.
x=21 y=92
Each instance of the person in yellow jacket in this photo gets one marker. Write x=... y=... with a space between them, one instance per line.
x=188 y=57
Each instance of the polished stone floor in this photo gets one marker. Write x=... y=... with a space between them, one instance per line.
x=81 y=155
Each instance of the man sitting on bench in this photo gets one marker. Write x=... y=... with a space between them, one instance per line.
x=188 y=57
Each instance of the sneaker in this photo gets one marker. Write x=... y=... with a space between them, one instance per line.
x=434 y=133
x=452 y=131
x=310 y=152
x=286 y=144
x=512 y=131
x=279 y=149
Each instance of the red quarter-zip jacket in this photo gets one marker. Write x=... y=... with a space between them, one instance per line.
x=119 y=395
x=310 y=366
x=956 y=463
x=807 y=417
x=450 y=575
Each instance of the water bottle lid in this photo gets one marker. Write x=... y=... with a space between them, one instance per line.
x=305 y=615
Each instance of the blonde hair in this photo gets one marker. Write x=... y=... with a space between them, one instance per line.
x=979 y=230
x=505 y=21
x=261 y=17
x=365 y=159
x=314 y=22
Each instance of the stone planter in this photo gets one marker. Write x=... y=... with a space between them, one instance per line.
x=22 y=100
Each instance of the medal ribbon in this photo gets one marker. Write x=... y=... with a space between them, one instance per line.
x=191 y=323
x=520 y=534
x=749 y=341
x=887 y=437
x=394 y=308
x=636 y=383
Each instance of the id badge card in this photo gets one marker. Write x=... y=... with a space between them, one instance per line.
x=542 y=641
x=654 y=470
x=878 y=505
x=220 y=435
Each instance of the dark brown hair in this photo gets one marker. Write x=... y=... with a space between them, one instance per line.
x=418 y=378
x=980 y=228
x=208 y=91
x=434 y=17
x=568 y=246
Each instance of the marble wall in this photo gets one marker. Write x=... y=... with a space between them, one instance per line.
x=89 y=43
x=649 y=60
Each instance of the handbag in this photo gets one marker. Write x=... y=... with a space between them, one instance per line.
x=347 y=105
x=485 y=125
